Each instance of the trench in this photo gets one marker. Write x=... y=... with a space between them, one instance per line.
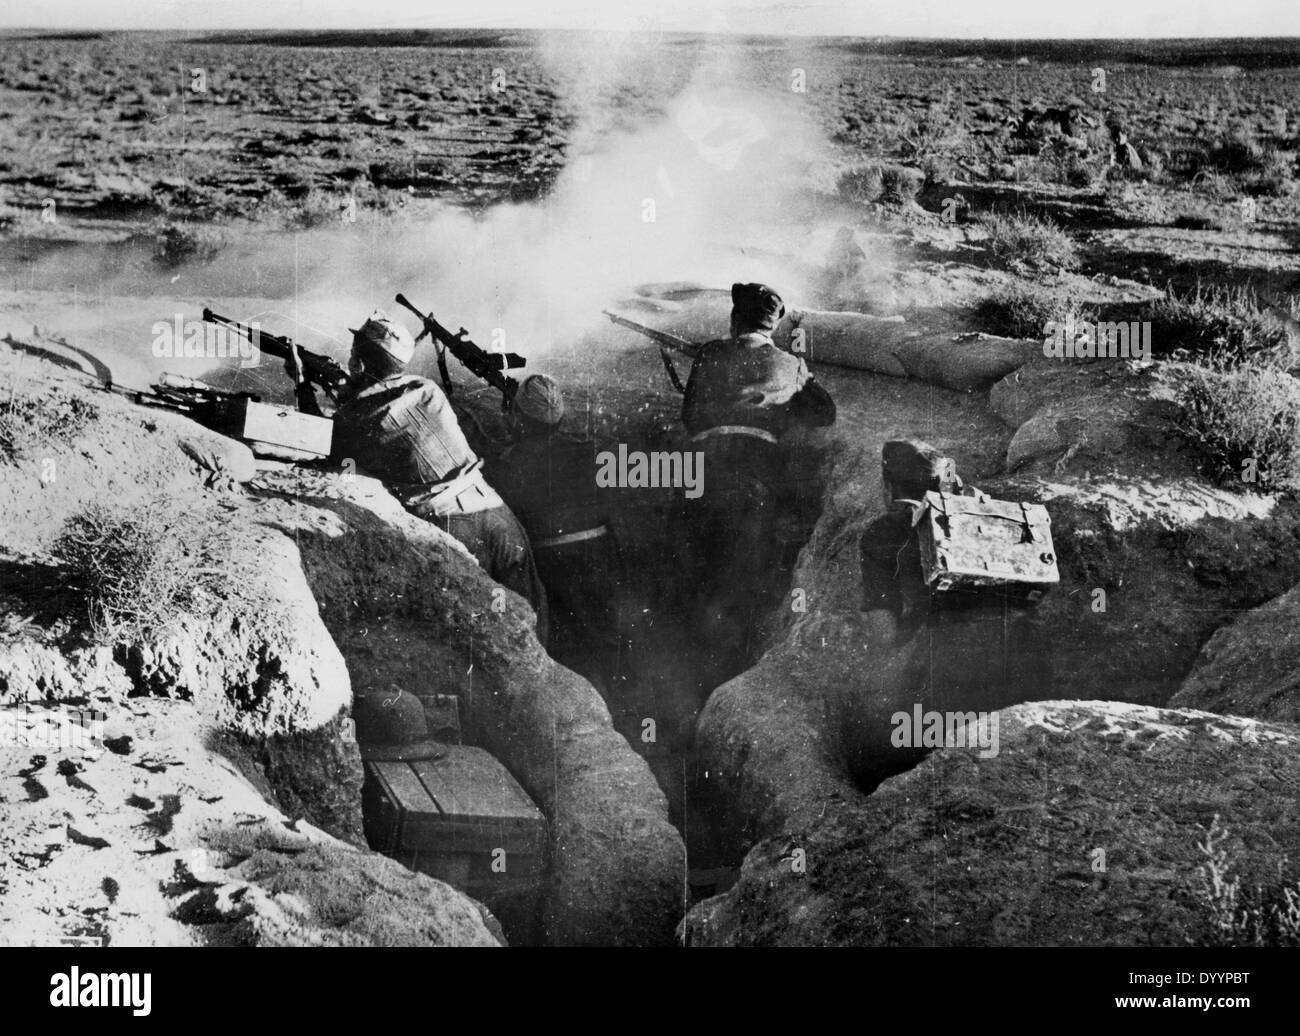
x=649 y=666
x=662 y=674
x=662 y=677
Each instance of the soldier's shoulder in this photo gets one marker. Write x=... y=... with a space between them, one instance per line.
x=716 y=348
x=785 y=360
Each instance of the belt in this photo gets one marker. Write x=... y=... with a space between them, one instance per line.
x=735 y=429
x=467 y=493
x=573 y=537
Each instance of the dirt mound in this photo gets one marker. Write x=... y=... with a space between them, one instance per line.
x=1252 y=666
x=255 y=660
x=1152 y=559
x=143 y=834
x=409 y=608
x=1083 y=830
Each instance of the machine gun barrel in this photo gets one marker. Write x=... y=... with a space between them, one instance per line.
x=318 y=369
x=482 y=364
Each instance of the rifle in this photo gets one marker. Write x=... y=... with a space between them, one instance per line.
x=484 y=365
x=666 y=341
x=316 y=369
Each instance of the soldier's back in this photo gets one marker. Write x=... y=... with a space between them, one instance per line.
x=549 y=481
x=402 y=431
x=739 y=382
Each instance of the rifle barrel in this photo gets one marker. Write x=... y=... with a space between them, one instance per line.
x=664 y=338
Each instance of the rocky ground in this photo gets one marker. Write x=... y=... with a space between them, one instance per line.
x=222 y=804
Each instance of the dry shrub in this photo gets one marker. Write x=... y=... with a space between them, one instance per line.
x=1237 y=916
x=1059 y=162
x=863 y=182
x=871 y=181
x=1223 y=325
x=901 y=183
x=177 y=244
x=1239 y=152
x=143 y=568
x=1245 y=421
x=942 y=130
x=36 y=417
x=317 y=208
x=1028 y=240
x=1024 y=311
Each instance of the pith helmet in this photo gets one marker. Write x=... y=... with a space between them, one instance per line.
x=540 y=398
x=390 y=336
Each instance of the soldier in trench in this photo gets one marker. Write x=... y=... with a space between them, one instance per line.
x=967 y=648
x=547 y=476
x=400 y=428
x=743 y=397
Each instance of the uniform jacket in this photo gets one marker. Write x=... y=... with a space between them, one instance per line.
x=402 y=431
x=749 y=381
x=549 y=481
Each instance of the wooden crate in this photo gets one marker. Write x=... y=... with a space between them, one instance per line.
x=452 y=818
x=275 y=431
x=978 y=545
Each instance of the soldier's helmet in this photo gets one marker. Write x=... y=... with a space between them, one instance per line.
x=392 y=726
x=911 y=468
x=539 y=399
x=756 y=306
x=387 y=335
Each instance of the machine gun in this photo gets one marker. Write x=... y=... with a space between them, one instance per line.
x=484 y=365
x=316 y=369
x=666 y=341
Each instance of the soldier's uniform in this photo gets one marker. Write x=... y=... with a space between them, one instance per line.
x=548 y=478
x=971 y=647
x=744 y=394
x=1123 y=152
x=401 y=430
x=890 y=550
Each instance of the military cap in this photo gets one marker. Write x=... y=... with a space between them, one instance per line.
x=756 y=305
x=910 y=466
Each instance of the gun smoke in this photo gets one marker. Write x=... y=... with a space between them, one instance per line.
x=715 y=185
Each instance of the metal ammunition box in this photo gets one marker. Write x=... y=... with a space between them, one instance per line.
x=972 y=544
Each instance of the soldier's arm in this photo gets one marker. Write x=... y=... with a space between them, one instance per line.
x=303 y=390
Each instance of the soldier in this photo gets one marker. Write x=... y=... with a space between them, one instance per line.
x=548 y=477
x=974 y=651
x=1123 y=153
x=893 y=594
x=743 y=396
x=400 y=429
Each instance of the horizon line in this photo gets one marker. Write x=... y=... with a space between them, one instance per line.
x=872 y=37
